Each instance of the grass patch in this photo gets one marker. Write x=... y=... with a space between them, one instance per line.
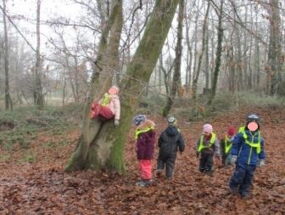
x=4 y=157
x=29 y=157
x=21 y=125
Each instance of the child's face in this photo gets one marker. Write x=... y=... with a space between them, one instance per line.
x=207 y=133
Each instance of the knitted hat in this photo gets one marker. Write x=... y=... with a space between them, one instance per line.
x=171 y=120
x=231 y=131
x=114 y=90
x=207 y=128
x=138 y=119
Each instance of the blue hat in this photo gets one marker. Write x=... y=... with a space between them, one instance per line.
x=138 y=119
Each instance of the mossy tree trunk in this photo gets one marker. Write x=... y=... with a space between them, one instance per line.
x=105 y=148
x=101 y=80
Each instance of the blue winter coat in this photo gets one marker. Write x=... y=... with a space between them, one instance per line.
x=247 y=155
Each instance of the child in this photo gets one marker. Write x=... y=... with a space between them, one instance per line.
x=108 y=107
x=226 y=145
x=145 y=140
x=207 y=146
x=169 y=142
x=248 y=148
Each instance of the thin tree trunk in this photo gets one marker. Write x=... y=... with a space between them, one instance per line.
x=207 y=68
x=197 y=73
x=38 y=91
x=8 y=100
x=218 y=54
x=177 y=62
x=106 y=149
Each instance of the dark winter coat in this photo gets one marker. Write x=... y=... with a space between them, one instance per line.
x=247 y=155
x=145 y=140
x=169 y=142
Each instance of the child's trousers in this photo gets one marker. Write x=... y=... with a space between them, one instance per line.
x=169 y=163
x=145 y=169
x=206 y=162
x=241 y=180
x=99 y=110
x=226 y=159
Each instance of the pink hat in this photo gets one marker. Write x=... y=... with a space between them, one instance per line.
x=207 y=128
x=114 y=90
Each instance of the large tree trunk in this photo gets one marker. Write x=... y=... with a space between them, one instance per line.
x=177 y=62
x=100 y=81
x=103 y=147
x=274 y=54
x=218 y=55
x=8 y=100
x=38 y=91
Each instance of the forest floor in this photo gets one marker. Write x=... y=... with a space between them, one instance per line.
x=32 y=181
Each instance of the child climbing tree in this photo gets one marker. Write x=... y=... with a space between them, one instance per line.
x=101 y=145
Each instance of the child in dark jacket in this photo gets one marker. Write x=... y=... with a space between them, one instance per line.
x=207 y=146
x=226 y=146
x=145 y=140
x=247 y=150
x=169 y=142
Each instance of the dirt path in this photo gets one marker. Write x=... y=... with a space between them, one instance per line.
x=43 y=188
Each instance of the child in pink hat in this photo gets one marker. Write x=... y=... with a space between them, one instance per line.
x=108 y=107
x=207 y=146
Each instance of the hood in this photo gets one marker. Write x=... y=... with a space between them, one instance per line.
x=171 y=131
x=146 y=124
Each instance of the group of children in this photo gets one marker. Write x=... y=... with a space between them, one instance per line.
x=245 y=148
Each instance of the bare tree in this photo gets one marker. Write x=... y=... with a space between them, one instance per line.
x=197 y=73
x=177 y=62
x=38 y=91
x=8 y=100
x=104 y=148
x=218 y=54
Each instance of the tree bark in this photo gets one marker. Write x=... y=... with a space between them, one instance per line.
x=8 y=100
x=197 y=74
x=177 y=62
x=218 y=55
x=104 y=147
x=274 y=52
x=100 y=82
x=38 y=91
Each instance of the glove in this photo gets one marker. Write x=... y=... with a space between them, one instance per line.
x=116 y=122
x=261 y=163
x=233 y=159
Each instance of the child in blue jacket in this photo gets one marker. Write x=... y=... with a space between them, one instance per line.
x=247 y=151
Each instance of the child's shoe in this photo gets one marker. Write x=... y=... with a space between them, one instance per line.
x=234 y=191
x=159 y=173
x=141 y=183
